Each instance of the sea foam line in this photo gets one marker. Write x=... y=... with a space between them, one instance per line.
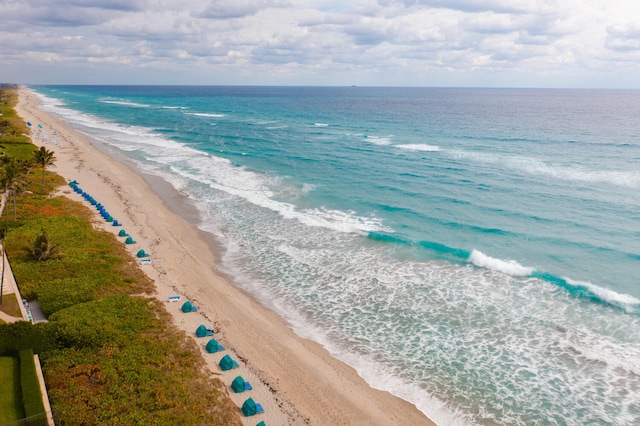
x=125 y=103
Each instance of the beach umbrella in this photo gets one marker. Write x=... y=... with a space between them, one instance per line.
x=213 y=346
x=201 y=331
x=238 y=384
x=188 y=307
x=249 y=407
x=227 y=363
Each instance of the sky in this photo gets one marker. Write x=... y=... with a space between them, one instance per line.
x=432 y=43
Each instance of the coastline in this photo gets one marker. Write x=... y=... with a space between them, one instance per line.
x=296 y=380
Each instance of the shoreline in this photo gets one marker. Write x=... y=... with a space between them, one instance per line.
x=296 y=380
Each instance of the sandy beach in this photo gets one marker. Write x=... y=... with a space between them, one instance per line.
x=296 y=380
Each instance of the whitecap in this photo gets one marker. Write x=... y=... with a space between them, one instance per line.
x=419 y=147
x=204 y=114
x=378 y=140
x=509 y=267
x=125 y=103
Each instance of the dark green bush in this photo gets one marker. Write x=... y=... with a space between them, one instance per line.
x=24 y=335
x=113 y=320
x=56 y=295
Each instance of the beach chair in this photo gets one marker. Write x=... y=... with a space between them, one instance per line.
x=203 y=331
x=175 y=298
x=145 y=261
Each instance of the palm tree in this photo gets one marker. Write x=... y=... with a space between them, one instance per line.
x=14 y=179
x=42 y=248
x=44 y=158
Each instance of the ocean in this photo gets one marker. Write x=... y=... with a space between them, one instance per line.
x=473 y=251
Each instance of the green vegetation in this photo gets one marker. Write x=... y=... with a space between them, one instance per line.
x=10 y=395
x=110 y=353
x=30 y=385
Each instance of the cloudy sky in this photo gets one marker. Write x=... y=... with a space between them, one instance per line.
x=501 y=43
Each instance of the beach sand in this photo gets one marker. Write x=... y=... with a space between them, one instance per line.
x=296 y=380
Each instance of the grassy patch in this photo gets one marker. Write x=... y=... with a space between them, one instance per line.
x=10 y=305
x=10 y=395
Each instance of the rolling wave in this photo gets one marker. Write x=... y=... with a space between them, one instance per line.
x=535 y=166
x=581 y=290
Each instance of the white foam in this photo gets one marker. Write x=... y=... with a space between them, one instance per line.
x=321 y=124
x=419 y=147
x=509 y=267
x=254 y=188
x=378 y=140
x=205 y=114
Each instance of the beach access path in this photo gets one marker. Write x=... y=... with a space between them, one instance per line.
x=296 y=380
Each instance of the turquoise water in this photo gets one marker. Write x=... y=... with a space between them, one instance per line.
x=474 y=251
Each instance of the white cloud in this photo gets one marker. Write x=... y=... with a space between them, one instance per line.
x=413 y=42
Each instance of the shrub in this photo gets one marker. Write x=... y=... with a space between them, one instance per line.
x=23 y=335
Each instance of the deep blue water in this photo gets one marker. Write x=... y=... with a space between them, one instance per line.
x=474 y=251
